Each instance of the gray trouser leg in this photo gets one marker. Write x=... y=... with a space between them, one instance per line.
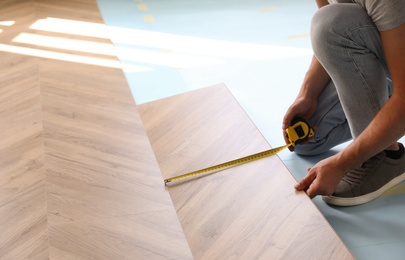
x=348 y=45
x=331 y=125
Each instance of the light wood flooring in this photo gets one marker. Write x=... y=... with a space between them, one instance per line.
x=79 y=178
x=247 y=212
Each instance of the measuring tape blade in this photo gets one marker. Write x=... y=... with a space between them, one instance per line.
x=226 y=165
x=298 y=132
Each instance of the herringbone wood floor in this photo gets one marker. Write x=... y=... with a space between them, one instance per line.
x=78 y=178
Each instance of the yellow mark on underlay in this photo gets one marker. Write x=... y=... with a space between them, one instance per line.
x=165 y=50
x=142 y=7
x=399 y=189
x=148 y=18
x=298 y=36
x=265 y=9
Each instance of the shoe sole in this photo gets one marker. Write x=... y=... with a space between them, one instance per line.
x=346 y=202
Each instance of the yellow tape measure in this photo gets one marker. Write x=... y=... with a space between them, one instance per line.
x=298 y=132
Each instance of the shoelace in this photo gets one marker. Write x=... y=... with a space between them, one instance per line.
x=357 y=176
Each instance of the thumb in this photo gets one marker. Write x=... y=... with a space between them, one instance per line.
x=305 y=182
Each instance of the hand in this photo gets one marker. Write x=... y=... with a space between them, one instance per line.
x=302 y=107
x=323 y=178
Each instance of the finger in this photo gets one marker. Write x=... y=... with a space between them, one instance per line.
x=312 y=191
x=316 y=189
x=284 y=124
x=304 y=183
x=287 y=141
x=285 y=136
x=287 y=120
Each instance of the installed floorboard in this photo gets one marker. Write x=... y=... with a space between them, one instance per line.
x=247 y=212
x=78 y=177
x=23 y=221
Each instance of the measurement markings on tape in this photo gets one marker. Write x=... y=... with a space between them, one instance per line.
x=228 y=164
x=298 y=132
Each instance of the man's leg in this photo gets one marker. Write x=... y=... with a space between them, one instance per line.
x=348 y=45
x=331 y=125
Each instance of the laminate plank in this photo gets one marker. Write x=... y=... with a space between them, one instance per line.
x=127 y=237
x=101 y=172
x=198 y=144
x=247 y=212
x=23 y=227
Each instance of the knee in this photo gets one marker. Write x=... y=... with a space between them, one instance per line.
x=324 y=20
x=334 y=22
x=324 y=24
